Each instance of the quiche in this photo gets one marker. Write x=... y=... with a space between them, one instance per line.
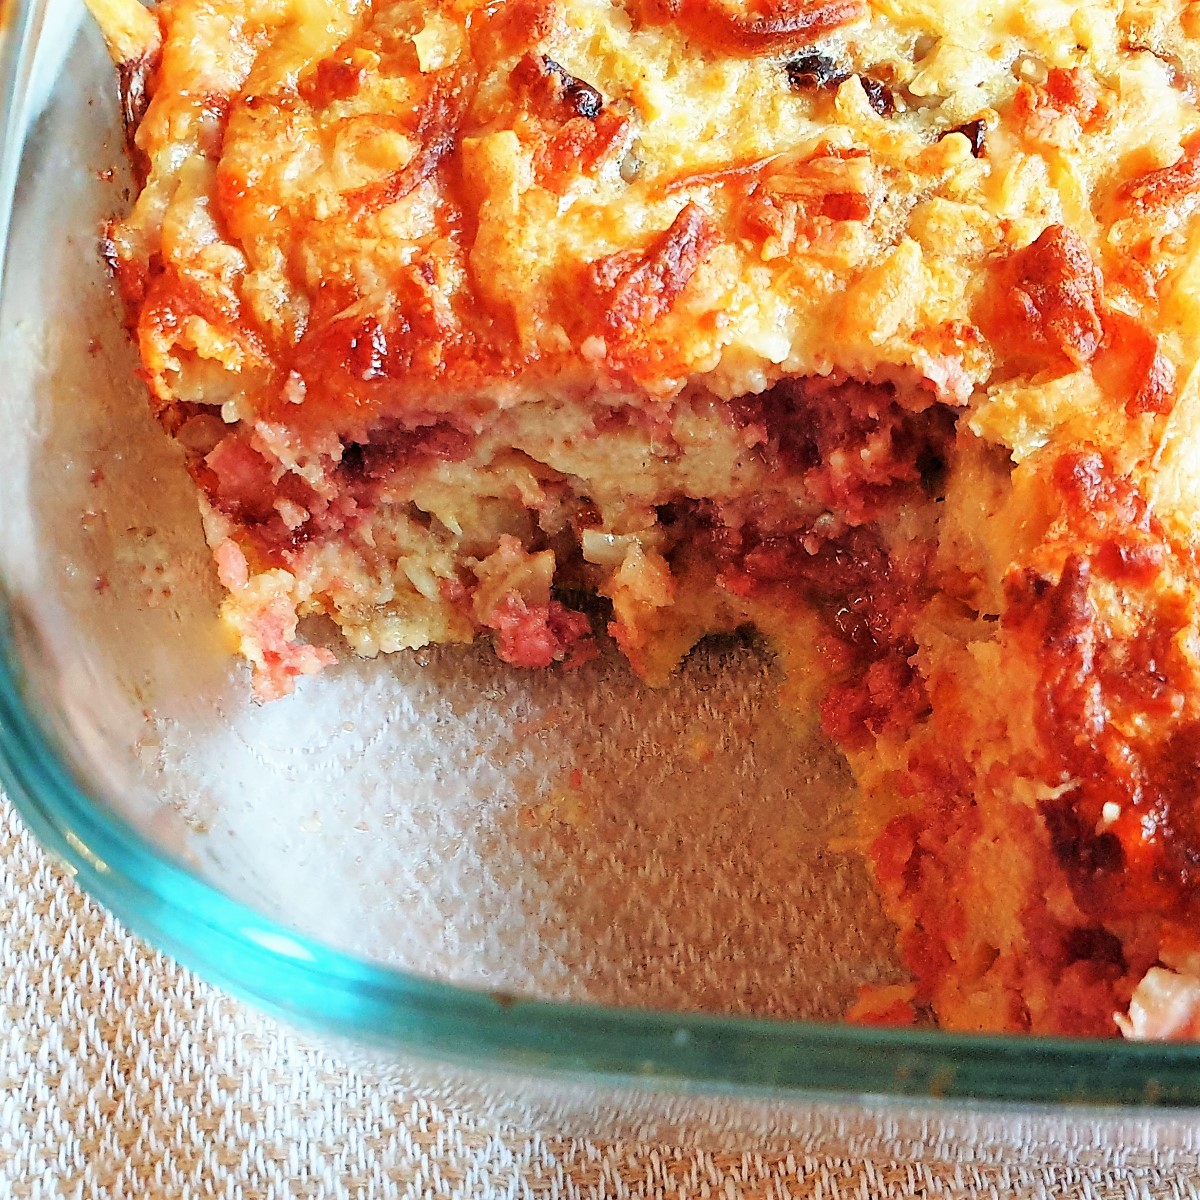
x=871 y=325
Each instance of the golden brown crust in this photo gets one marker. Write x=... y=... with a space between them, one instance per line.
x=1050 y=303
x=437 y=131
x=773 y=27
x=1167 y=187
x=635 y=289
x=130 y=31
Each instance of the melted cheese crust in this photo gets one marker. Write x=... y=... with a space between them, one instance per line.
x=404 y=210
x=870 y=322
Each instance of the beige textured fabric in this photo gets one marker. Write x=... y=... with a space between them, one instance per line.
x=125 y=1076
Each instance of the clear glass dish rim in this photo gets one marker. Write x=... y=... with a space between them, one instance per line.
x=314 y=985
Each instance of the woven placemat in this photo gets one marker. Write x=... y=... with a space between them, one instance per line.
x=126 y=1076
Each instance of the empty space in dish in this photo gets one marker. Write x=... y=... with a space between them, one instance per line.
x=566 y=834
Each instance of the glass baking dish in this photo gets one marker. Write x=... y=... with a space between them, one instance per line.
x=565 y=877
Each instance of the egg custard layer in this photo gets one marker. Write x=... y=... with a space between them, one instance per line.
x=871 y=324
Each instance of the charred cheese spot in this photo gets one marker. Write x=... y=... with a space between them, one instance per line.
x=636 y=289
x=1047 y=311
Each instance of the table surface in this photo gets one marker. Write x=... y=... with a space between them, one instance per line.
x=124 y=1075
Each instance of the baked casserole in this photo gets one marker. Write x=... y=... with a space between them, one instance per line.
x=871 y=325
